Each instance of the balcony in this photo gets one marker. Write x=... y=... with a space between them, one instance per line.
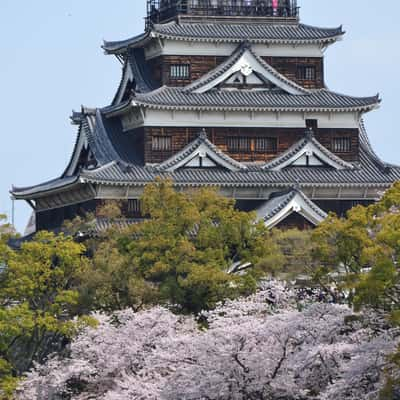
x=159 y=11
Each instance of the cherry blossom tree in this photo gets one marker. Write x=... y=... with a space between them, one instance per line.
x=261 y=347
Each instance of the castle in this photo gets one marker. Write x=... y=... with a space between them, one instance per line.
x=227 y=94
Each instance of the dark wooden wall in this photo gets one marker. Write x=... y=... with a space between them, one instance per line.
x=200 y=65
x=286 y=137
x=54 y=219
x=340 y=207
x=288 y=67
x=295 y=221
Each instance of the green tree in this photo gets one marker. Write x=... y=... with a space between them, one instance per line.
x=360 y=253
x=191 y=246
x=38 y=301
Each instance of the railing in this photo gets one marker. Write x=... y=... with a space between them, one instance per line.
x=163 y=10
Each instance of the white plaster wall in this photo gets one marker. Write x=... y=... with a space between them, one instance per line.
x=177 y=47
x=250 y=119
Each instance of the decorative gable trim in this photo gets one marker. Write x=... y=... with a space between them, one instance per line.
x=201 y=153
x=282 y=205
x=308 y=152
x=247 y=63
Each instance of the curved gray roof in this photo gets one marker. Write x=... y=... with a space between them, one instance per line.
x=278 y=201
x=230 y=32
x=257 y=100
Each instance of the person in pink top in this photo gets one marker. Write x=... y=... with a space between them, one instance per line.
x=275 y=5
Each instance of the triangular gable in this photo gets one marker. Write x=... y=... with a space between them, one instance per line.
x=281 y=205
x=308 y=152
x=246 y=66
x=201 y=153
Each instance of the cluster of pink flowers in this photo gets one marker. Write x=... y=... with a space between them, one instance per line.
x=261 y=347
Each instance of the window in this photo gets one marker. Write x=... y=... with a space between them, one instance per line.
x=239 y=144
x=306 y=72
x=134 y=207
x=161 y=143
x=179 y=71
x=341 y=145
x=313 y=124
x=265 y=145
x=247 y=144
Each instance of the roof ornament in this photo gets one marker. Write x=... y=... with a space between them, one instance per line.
x=202 y=134
x=309 y=133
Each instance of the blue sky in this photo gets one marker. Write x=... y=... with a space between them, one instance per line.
x=51 y=63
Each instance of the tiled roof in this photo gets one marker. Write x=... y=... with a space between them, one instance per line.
x=366 y=175
x=54 y=184
x=230 y=32
x=279 y=201
x=257 y=100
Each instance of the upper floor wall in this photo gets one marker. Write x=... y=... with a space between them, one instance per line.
x=181 y=70
x=247 y=144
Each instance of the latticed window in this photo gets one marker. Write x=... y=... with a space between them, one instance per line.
x=306 y=72
x=161 y=143
x=341 y=145
x=179 y=71
x=265 y=145
x=239 y=144
x=134 y=207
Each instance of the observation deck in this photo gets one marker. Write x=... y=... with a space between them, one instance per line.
x=274 y=11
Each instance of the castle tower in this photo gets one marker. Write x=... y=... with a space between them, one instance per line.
x=229 y=94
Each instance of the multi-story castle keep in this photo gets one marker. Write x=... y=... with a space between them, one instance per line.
x=229 y=94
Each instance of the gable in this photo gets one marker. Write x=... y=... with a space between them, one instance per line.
x=244 y=67
x=281 y=206
x=308 y=152
x=201 y=153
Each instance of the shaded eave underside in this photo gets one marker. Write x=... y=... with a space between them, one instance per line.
x=232 y=33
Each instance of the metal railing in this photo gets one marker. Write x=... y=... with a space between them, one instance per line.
x=163 y=10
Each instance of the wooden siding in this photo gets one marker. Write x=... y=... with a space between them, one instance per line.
x=295 y=221
x=288 y=66
x=286 y=137
x=200 y=65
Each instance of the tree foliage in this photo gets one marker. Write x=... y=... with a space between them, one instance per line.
x=360 y=253
x=187 y=253
x=38 y=301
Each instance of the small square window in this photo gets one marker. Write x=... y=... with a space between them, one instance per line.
x=306 y=72
x=341 y=145
x=161 y=143
x=179 y=71
x=134 y=207
x=265 y=145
